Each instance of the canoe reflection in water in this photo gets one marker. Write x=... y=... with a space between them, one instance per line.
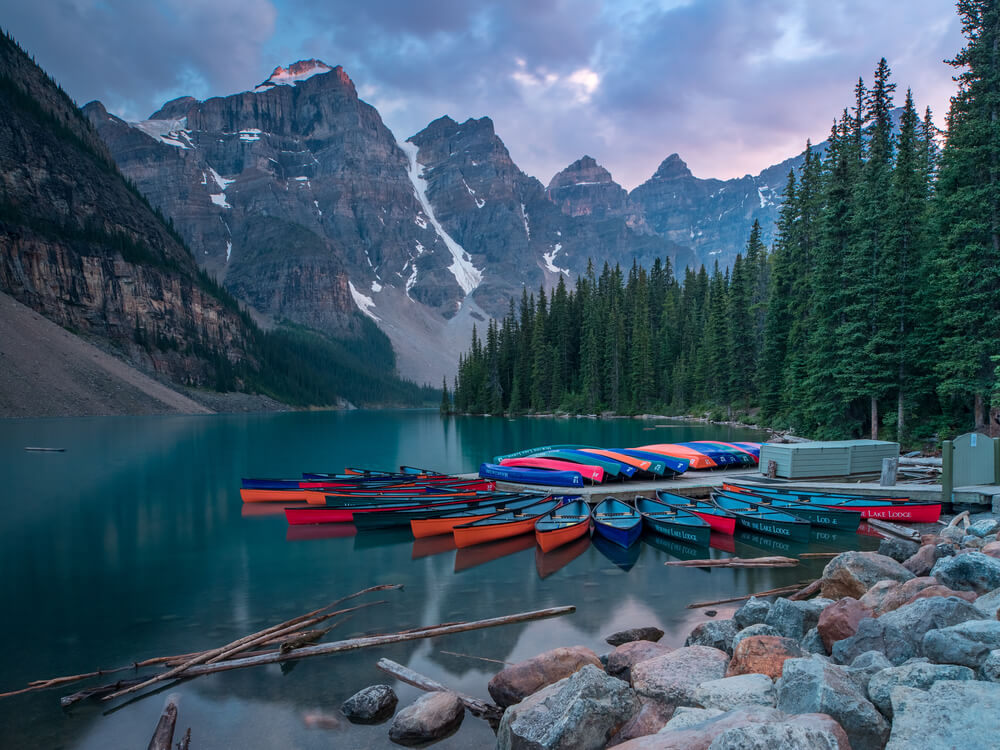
x=548 y=563
x=470 y=557
x=623 y=557
x=432 y=545
x=319 y=531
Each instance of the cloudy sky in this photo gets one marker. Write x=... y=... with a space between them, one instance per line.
x=733 y=86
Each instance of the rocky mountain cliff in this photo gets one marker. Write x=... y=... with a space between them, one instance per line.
x=298 y=198
x=80 y=246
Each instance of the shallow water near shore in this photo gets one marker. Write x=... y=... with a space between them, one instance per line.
x=133 y=543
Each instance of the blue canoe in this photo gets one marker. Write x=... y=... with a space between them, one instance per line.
x=764 y=520
x=524 y=475
x=617 y=522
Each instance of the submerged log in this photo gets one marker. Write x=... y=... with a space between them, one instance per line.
x=476 y=707
x=163 y=736
x=775 y=561
x=770 y=592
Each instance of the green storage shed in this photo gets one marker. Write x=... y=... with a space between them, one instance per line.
x=836 y=458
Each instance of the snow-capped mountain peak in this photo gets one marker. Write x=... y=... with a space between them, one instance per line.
x=297 y=71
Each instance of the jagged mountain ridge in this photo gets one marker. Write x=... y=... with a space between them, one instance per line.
x=299 y=199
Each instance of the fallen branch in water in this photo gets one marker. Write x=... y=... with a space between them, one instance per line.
x=353 y=644
x=163 y=735
x=884 y=527
x=476 y=707
x=737 y=562
x=818 y=555
x=771 y=592
x=481 y=658
x=805 y=593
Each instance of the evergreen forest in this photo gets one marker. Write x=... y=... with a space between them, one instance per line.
x=875 y=312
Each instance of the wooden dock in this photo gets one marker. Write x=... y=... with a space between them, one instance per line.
x=700 y=483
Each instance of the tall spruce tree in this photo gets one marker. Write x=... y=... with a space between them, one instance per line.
x=967 y=218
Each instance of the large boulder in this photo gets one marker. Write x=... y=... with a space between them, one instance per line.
x=581 y=712
x=627 y=655
x=899 y=550
x=673 y=678
x=649 y=633
x=732 y=692
x=777 y=736
x=989 y=604
x=972 y=571
x=714 y=633
x=371 y=705
x=898 y=594
x=511 y=684
x=753 y=612
x=651 y=717
x=698 y=729
x=874 y=635
x=432 y=717
x=853 y=573
x=763 y=654
x=967 y=643
x=815 y=686
x=950 y=714
x=793 y=619
x=917 y=675
x=984 y=527
x=812 y=643
x=840 y=620
x=921 y=561
x=992 y=549
x=899 y=634
x=757 y=629
x=878 y=595
x=866 y=666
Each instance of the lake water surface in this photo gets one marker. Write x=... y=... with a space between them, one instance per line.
x=134 y=543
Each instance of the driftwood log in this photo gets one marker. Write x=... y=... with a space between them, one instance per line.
x=884 y=527
x=775 y=561
x=794 y=588
x=476 y=707
x=163 y=736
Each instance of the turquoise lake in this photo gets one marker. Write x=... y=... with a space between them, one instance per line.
x=133 y=543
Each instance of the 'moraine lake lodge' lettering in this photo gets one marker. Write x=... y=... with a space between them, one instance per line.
x=768 y=529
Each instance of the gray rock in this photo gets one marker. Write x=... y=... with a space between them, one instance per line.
x=990 y=670
x=968 y=643
x=984 y=527
x=874 y=635
x=988 y=604
x=944 y=549
x=753 y=612
x=865 y=666
x=973 y=571
x=815 y=686
x=973 y=541
x=686 y=717
x=898 y=549
x=714 y=633
x=431 y=717
x=794 y=619
x=812 y=643
x=649 y=633
x=371 y=705
x=917 y=675
x=952 y=534
x=733 y=692
x=673 y=678
x=512 y=683
x=777 y=736
x=580 y=712
x=756 y=629
x=941 y=717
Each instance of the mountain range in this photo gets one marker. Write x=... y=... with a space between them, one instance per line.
x=299 y=200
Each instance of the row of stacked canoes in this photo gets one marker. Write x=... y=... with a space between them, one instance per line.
x=573 y=465
x=432 y=504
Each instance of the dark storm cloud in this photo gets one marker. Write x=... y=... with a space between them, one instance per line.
x=733 y=86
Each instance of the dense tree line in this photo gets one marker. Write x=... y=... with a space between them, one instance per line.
x=876 y=312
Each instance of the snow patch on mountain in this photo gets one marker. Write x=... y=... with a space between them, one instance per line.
x=550 y=260
x=297 y=71
x=171 y=132
x=364 y=302
x=466 y=274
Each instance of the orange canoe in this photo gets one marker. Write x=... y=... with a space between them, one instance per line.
x=502 y=525
x=563 y=525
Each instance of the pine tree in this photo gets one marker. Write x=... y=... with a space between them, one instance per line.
x=445 y=399
x=967 y=217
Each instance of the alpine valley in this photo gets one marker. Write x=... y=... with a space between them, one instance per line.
x=298 y=199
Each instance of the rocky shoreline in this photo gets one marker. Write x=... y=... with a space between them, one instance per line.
x=891 y=652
